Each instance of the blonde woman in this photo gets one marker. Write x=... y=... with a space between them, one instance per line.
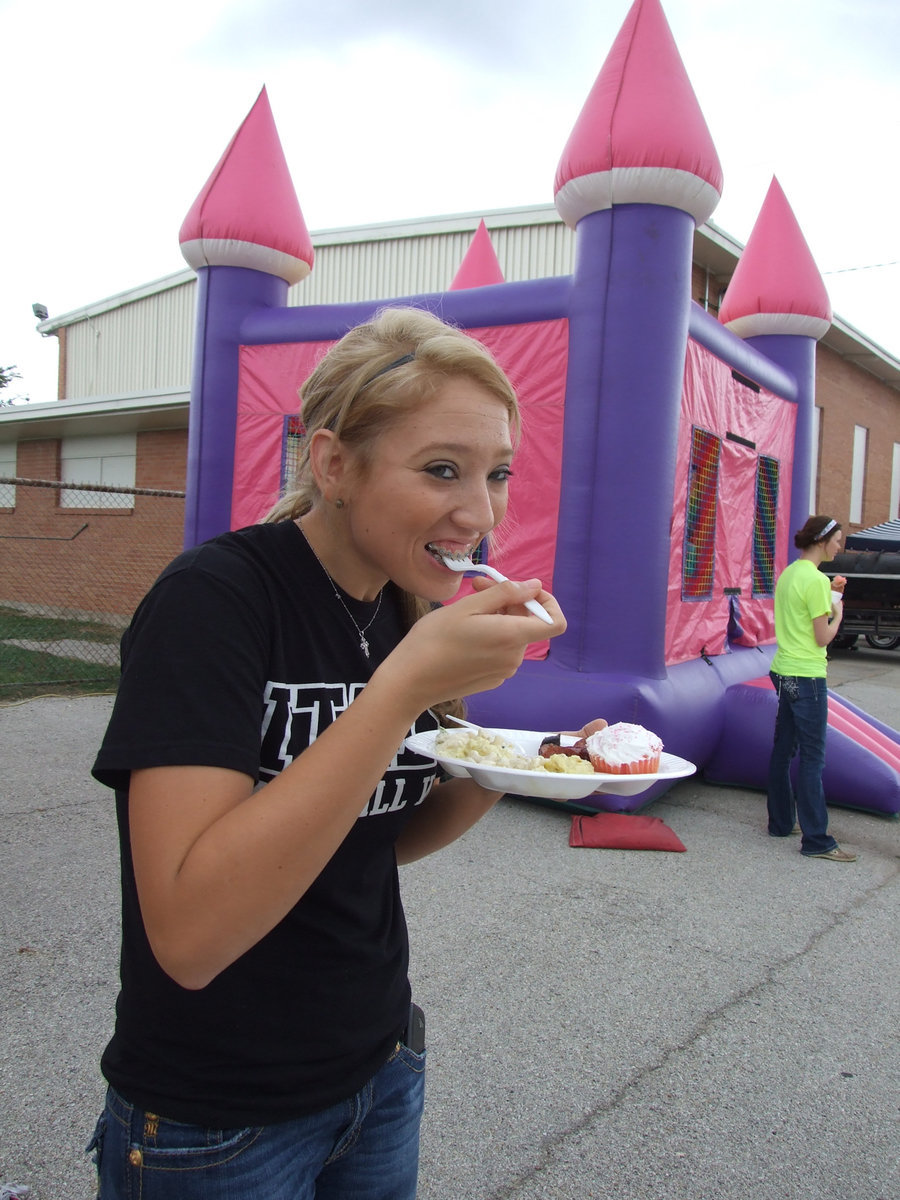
x=263 y=1044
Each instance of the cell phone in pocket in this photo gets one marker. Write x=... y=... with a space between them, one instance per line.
x=414 y=1035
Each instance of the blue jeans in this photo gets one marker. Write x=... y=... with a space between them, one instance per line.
x=800 y=724
x=365 y=1148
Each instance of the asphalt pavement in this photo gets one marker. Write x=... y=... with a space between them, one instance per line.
x=714 y=1025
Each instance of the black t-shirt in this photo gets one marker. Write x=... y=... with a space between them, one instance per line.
x=238 y=657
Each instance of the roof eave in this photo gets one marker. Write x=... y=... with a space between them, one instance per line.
x=135 y=413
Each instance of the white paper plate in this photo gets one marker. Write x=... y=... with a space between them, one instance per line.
x=547 y=785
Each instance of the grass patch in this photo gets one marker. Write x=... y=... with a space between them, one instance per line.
x=38 y=670
x=16 y=624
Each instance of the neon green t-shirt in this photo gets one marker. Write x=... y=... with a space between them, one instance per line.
x=802 y=593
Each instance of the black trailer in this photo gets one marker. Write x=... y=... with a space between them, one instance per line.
x=871 y=597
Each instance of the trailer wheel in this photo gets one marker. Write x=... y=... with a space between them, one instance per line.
x=845 y=641
x=883 y=641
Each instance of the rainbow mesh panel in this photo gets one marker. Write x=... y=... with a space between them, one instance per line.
x=700 y=522
x=291 y=447
x=764 y=526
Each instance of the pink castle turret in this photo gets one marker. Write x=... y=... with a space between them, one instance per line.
x=637 y=174
x=247 y=214
x=776 y=287
x=480 y=267
x=778 y=302
x=641 y=137
x=247 y=240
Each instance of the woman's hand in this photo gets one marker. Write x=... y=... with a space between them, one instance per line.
x=482 y=583
x=592 y=727
x=469 y=646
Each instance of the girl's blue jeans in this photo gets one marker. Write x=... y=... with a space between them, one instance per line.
x=365 y=1148
x=800 y=725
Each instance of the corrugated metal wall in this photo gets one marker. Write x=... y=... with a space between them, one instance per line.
x=142 y=346
x=408 y=266
x=145 y=345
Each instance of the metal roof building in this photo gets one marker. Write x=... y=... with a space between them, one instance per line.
x=141 y=340
x=125 y=362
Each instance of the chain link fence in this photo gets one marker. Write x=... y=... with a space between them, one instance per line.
x=75 y=560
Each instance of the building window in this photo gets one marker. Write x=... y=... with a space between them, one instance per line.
x=108 y=459
x=8 y=468
x=894 y=514
x=816 y=452
x=700 y=518
x=293 y=437
x=764 y=526
x=858 y=475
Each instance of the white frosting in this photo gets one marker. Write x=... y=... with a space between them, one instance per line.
x=622 y=743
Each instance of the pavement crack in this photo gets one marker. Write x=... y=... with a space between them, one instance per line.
x=47 y=809
x=553 y=1143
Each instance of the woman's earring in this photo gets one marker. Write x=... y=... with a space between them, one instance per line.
x=338 y=504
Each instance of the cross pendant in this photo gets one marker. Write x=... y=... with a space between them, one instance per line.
x=364 y=646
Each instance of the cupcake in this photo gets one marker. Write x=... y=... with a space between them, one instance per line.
x=624 y=750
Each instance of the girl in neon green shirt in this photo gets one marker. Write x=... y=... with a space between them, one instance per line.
x=806 y=622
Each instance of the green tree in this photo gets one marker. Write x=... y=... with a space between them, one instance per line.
x=7 y=375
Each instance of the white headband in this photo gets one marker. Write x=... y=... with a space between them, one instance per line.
x=828 y=528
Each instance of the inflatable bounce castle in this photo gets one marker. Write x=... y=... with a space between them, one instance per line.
x=666 y=456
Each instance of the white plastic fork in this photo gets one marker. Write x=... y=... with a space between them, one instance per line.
x=457 y=721
x=466 y=564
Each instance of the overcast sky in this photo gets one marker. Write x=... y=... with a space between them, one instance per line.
x=114 y=115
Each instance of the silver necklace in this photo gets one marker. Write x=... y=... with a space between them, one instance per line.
x=363 y=643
